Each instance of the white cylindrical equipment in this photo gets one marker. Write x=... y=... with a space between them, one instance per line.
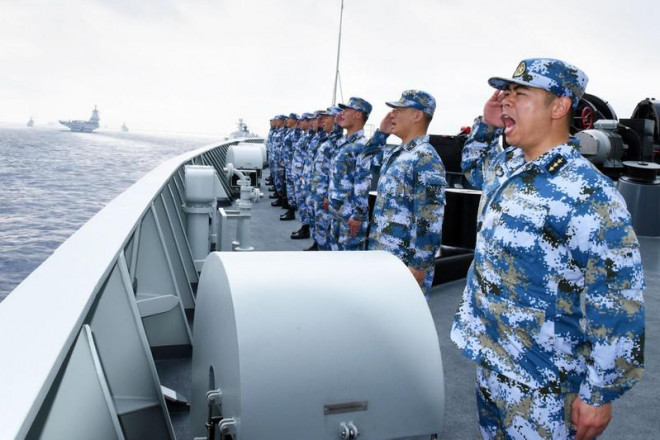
x=201 y=202
x=318 y=345
x=262 y=148
x=199 y=184
x=245 y=157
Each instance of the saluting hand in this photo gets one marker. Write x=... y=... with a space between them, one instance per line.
x=590 y=421
x=386 y=124
x=493 y=109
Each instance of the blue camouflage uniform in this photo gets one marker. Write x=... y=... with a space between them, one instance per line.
x=320 y=182
x=553 y=305
x=348 y=190
x=410 y=205
x=286 y=158
x=341 y=199
x=308 y=174
x=269 y=145
x=409 y=209
x=277 y=170
x=297 y=164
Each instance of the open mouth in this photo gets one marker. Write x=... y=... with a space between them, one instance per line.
x=509 y=124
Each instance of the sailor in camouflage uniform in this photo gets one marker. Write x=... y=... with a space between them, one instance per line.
x=286 y=158
x=407 y=217
x=308 y=173
x=272 y=134
x=553 y=309
x=297 y=164
x=273 y=157
x=320 y=177
x=308 y=162
x=349 y=190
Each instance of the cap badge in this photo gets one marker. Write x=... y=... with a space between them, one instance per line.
x=520 y=69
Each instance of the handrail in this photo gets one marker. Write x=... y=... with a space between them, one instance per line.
x=44 y=315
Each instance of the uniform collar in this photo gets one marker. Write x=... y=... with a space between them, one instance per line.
x=549 y=162
x=415 y=142
x=352 y=138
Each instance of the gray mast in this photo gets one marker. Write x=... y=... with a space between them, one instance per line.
x=341 y=17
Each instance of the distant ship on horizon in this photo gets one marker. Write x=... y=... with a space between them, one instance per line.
x=84 y=126
x=30 y=123
x=242 y=131
x=124 y=127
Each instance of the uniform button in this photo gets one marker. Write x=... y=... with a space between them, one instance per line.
x=499 y=172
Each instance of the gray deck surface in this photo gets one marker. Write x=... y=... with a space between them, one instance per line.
x=636 y=415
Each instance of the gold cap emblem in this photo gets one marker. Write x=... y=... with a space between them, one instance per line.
x=520 y=69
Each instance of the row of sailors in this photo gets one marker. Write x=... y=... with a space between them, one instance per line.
x=325 y=174
x=553 y=309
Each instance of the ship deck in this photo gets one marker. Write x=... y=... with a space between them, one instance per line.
x=634 y=415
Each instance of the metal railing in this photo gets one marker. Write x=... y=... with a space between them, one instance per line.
x=76 y=335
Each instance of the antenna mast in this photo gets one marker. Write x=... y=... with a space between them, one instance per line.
x=341 y=17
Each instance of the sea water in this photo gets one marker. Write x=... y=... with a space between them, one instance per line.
x=52 y=181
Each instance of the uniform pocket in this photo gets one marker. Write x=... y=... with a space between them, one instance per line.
x=518 y=327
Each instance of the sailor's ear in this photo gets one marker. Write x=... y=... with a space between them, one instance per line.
x=561 y=106
x=419 y=116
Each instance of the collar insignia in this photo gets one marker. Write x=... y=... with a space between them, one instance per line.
x=555 y=164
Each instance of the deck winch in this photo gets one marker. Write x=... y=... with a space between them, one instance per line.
x=323 y=345
x=626 y=150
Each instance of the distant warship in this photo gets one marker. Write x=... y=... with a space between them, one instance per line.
x=30 y=123
x=124 y=127
x=242 y=131
x=86 y=126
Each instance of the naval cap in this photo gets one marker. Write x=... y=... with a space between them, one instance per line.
x=332 y=111
x=358 y=104
x=293 y=116
x=554 y=76
x=416 y=99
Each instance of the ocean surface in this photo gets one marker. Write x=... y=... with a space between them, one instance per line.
x=52 y=181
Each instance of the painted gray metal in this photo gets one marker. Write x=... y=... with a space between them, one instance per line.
x=76 y=333
x=316 y=342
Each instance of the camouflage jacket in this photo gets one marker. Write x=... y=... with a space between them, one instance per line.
x=553 y=299
x=407 y=218
x=299 y=153
x=276 y=144
x=308 y=164
x=341 y=183
x=269 y=139
x=287 y=147
x=321 y=165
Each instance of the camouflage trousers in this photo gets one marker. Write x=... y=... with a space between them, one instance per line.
x=322 y=227
x=290 y=187
x=510 y=410
x=310 y=205
x=301 y=200
x=279 y=178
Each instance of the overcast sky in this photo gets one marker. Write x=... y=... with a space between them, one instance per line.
x=199 y=65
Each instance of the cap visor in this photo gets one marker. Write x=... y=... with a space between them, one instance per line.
x=504 y=83
x=396 y=104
